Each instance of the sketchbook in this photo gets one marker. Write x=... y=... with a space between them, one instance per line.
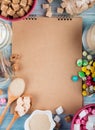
x=49 y=48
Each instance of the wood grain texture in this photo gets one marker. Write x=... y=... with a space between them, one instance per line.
x=88 y=19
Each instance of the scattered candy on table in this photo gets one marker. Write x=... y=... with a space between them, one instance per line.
x=68 y=118
x=75 y=78
x=3 y=101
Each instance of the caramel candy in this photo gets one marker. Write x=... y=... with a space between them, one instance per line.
x=4 y=7
x=23 y=3
x=10 y=11
x=26 y=9
x=49 y=12
x=16 y=1
x=16 y=67
x=45 y=6
x=15 y=57
x=21 y=12
x=68 y=118
x=60 y=10
x=57 y=127
x=16 y=7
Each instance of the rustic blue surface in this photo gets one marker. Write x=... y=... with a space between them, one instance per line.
x=88 y=18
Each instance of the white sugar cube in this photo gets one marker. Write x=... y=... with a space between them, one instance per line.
x=59 y=110
x=76 y=126
x=89 y=125
x=91 y=118
x=82 y=114
x=57 y=119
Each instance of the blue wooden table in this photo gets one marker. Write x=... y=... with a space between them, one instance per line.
x=88 y=19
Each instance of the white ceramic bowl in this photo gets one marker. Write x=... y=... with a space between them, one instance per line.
x=47 y=112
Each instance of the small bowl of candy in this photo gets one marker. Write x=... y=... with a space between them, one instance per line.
x=13 y=10
x=84 y=119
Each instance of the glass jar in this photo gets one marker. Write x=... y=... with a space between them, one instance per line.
x=88 y=39
x=5 y=40
x=5 y=72
x=5 y=35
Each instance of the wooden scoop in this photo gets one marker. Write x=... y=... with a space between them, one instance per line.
x=14 y=92
x=16 y=115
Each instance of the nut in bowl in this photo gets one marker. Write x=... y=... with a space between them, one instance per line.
x=13 y=10
x=40 y=120
x=84 y=119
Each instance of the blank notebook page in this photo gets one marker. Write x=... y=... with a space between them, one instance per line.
x=49 y=49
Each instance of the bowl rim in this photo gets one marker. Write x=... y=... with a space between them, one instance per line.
x=23 y=17
x=35 y=112
x=82 y=108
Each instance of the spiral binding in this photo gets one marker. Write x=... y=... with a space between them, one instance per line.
x=31 y=17
x=60 y=17
x=64 y=17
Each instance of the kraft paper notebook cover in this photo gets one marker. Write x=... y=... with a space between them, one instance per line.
x=49 y=49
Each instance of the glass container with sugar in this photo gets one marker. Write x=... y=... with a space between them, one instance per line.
x=88 y=39
x=5 y=40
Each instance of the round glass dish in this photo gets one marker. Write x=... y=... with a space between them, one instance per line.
x=5 y=35
x=88 y=39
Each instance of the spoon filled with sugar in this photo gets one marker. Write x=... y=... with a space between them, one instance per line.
x=23 y=106
x=15 y=90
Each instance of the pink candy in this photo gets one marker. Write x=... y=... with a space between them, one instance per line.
x=83 y=122
x=3 y=101
x=89 y=109
x=77 y=121
x=93 y=111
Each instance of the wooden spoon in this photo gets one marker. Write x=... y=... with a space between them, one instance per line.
x=15 y=90
x=16 y=115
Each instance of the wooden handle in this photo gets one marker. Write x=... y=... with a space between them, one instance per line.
x=15 y=117
x=3 y=113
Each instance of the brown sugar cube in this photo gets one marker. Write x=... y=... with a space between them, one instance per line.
x=4 y=7
x=60 y=10
x=49 y=1
x=26 y=9
x=15 y=16
x=63 y=5
x=49 y=12
x=45 y=6
x=57 y=127
x=10 y=11
x=21 y=12
x=16 y=7
x=3 y=13
x=68 y=118
x=16 y=1
x=16 y=67
x=30 y=2
x=6 y=2
x=23 y=3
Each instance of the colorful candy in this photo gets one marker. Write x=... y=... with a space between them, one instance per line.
x=3 y=101
x=79 y=62
x=85 y=120
x=81 y=74
x=75 y=78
